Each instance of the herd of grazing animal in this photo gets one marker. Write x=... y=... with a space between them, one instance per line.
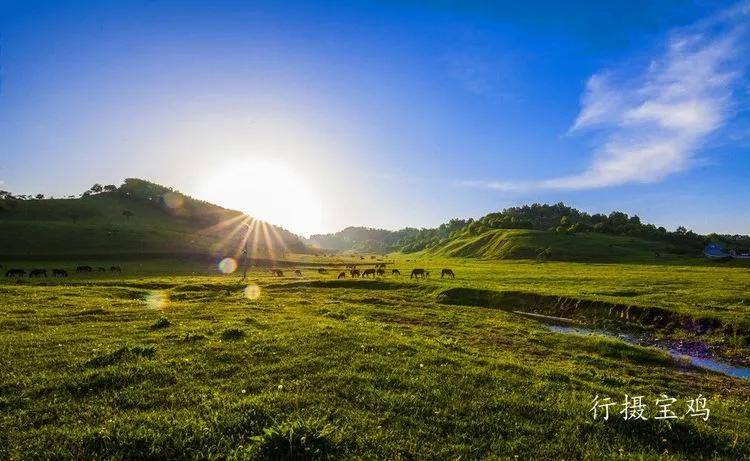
x=57 y=272
x=373 y=272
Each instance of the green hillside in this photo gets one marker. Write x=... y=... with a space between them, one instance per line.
x=138 y=218
x=528 y=244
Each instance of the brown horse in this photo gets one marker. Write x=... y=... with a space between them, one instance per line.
x=298 y=272
x=395 y=272
x=368 y=272
x=380 y=272
x=277 y=272
x=322 y=271
x=415 y=273
x=15 y=272
x=447 y=272
x=38 y=273
x=342 y=275
x=59 y=273
x=354 y=273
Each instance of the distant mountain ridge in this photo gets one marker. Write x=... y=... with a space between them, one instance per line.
x=138 y=217
x=539 y=230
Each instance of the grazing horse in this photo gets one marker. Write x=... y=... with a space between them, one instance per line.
x=15 y=272
x=380 y=271
x=38 y=273
x=448 y=272
x=277 y=272
x=342 y=275
x=415 y=273
x=380 y=265
x=322 y=271
x=101 y=269
x=115 y=269
x=59 y=273
x=354 y=273
x=298 y=272
x=395 y=272
x=84 y=269
x=368 y=272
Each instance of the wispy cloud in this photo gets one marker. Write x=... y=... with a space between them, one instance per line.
x=652 y=122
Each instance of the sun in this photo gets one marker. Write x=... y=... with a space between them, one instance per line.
x=270 y=191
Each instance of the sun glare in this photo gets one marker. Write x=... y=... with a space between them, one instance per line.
x=272 y=192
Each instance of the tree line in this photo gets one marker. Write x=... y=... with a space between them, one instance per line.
x=558 y=218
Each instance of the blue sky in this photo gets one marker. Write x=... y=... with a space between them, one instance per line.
x=319 y=115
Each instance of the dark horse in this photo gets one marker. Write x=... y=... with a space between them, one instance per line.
x=367 y=272
x=417 y=273
x=380 y=271
x=354 y=273
x=115 y=269
x=395 y=272
x=15 y=272
x=298 y=272
x=59 y=273
x=38 y=273
x=277 y=272
x=322 y=270
x=447 y=272
x=342 y=275
x=84 y=269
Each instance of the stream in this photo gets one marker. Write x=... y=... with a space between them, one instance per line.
x=695 y=360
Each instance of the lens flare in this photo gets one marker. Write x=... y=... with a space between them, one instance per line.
x=252 y=292
x=227 y=265
x=156 y=300
x=172 y=200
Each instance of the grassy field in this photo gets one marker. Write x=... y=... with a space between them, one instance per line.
x=202 y=366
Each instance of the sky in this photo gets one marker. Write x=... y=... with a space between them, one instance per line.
x=321 y=115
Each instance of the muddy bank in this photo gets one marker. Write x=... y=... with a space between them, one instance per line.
x=605 y=313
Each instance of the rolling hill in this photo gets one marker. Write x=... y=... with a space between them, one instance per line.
x=553 y=231
x=528 y=244
x=138 y=218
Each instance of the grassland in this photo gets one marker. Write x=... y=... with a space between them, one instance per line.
x=171 y=360
x=582 y=247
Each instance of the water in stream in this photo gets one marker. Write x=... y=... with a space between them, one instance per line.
x=702 y=362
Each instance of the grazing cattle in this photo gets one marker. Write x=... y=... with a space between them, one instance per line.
x=322 y=271
x=84 y=269
x=298 y=272
x=38 y=273
x=395 y=272
x=115 y=269
x=59 y=273
x=342 y=275
x=380 y=271
x=448 y=272
x=354 y=273
x=367 y=272
x=15 y=272
x=417 y=273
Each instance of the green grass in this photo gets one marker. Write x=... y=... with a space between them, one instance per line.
x=582 y=247
x=187 y=366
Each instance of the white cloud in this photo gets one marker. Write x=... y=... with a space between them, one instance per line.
x=654 y=120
